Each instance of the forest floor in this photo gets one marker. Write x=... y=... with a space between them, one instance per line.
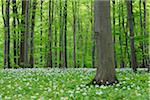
x=70 y=84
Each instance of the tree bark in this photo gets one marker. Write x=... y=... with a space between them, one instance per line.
x=131 y=29
x=114 y=35
x=61 y=24
x=26 y=62
x=105 y=74
x=32 y=34
x=74 y=31
x=49 y=59
x=126 y=52
x=56 y=28
x=7 y=33
x=93 y=36
x=141 y=30
x=120 y=38
x=21 y=58
x=41 y=29
x=14 y=31
x=65 y=34
x=147 y=59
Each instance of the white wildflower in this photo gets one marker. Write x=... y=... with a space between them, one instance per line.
x=84 y=94
x=99 y=92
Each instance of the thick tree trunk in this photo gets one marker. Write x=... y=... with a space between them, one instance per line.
x=131 y=29
x=105 y=61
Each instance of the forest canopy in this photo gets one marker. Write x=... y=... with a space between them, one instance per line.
x=60 y=33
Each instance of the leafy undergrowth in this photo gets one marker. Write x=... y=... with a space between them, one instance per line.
x=70 y=84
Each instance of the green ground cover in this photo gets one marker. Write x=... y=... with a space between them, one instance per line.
x=69 y=84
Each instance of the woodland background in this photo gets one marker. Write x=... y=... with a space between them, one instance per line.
x=60 y=33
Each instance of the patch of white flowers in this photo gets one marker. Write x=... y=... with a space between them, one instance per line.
x=99 y=92
x=58 y=83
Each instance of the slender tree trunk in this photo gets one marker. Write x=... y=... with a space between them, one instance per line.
x=126 y=52
x=14 y=31
x=21 y=58
x=41 y=30
x=127 y=44
x=82 y=42
x=93 y=36
x=56 y=28
x=26 y=34
x=141 y=30
x=49 y=60
x=114 y=31
x=7 y=33
x=85 y=47
x=131 y=29
x=120 y=38
x=147 y=59
x=32 y=33
x=74 y=32
x=105 y=74
x=61 y=36
x=18 y=35
x=65 y=34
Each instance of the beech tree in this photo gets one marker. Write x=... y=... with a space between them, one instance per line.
x=131 y=29
x=114 y=31
x=105 y=74
x=49 y=58
x=14 y=31
x=7 y=33
x=32 y=34
x=41 y=30
x=74 y=5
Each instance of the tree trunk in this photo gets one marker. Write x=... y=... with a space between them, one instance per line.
x=21 y=58
x=7 y=34
x=93 y=36
x=32 y=34
x=141 y=31
x=126 y=52
x=14 y=31
x=49 y=59
x=120 y=38
x=56 y=28
x=74 y=31
x=147 y=59
x=114 y=35
x=131 y=29
x=105 y=74
x=26 y=34
x=61 y=35
x=65 y=34
x=41 y=29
